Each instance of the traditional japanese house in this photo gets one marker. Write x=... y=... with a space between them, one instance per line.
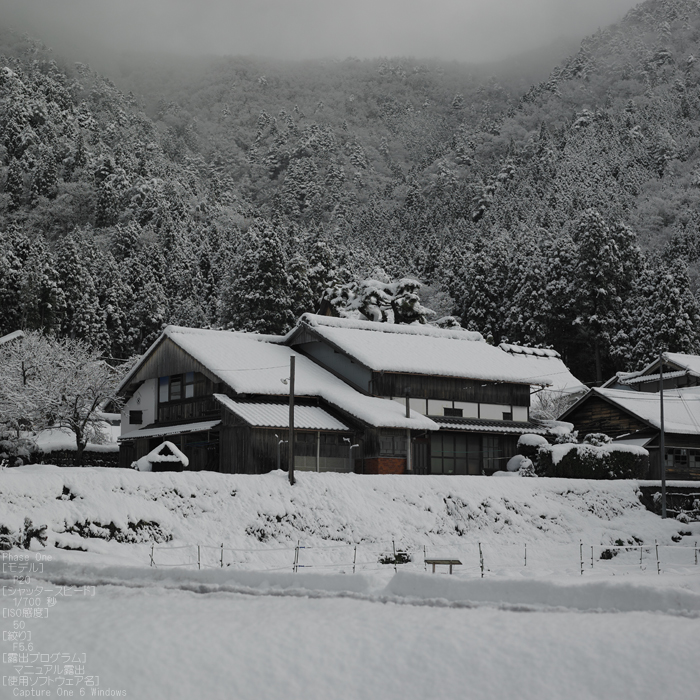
x=370 y=398
x=221 y=397
x=628 y=409
x=679 y=371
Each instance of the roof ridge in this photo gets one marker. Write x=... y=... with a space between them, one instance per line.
x=315 y=320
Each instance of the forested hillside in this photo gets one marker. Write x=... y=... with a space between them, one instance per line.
x=236 y=193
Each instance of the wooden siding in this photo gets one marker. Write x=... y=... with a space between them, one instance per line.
x=166 y=360
x=449 y=389
x=595 y=415
x=198 y=408
x=127 y=454
x=339 y=364
x=247 y=450
x=371 y=441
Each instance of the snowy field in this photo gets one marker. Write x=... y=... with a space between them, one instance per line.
x=255 y=628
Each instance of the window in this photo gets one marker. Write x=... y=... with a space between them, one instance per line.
x=392 y=445
x=448 y=453
x=177 y=387
x=453 y=412
x=507 y=416
x=135 y=417
x=493 y=454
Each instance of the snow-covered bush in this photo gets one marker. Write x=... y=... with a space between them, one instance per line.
x=522 y=465
x=23 y=538
x=528 y=469
x=597 y=439
x=586 y=461
x=15 y=447
x=528 y=444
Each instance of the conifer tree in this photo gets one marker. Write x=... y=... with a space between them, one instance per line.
x=14 y=186
x=82 y=317
x=303 y=300
x=258 y=296
x=602 y=281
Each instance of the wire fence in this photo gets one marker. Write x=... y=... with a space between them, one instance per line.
x=475 y=558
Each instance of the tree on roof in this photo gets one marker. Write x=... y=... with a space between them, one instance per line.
x=380 y=299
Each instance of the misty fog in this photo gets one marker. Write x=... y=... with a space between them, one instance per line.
x=462 y=30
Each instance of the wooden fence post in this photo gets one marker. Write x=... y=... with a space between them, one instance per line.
x=658 y=566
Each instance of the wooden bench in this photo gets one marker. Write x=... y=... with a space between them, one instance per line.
x=445 y=562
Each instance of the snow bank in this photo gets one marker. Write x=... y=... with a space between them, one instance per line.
x=179 y=645
x=584 y=595
x=100 y=509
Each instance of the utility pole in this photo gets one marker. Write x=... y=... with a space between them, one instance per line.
x=291 y=420
x=409 y=462
x=662 y=443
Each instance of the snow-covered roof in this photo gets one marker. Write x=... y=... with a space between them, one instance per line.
x=251 y=364
x=170 y=430
x=635 y=441
x=687 y=364
x=681 y=407
x=11 y=336
x=644 y=378
x=420 y=349
x=525 y=350
x=272 y=415
x=166 y=452
x=544 y=363
x=478 y=425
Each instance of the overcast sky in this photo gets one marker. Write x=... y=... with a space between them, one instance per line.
x=463 y=30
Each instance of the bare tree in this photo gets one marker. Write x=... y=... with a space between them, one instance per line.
x=549 y=405
x=51 y=383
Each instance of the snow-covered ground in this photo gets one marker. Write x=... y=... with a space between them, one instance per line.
x=254 y=628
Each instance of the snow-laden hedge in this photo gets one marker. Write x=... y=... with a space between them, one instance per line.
x=586 y=461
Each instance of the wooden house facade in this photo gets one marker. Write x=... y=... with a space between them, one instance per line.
x=370 y=398
x=633 y=417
